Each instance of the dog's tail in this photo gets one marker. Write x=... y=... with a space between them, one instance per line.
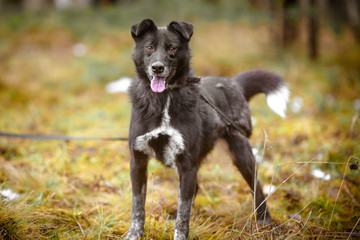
x=263 y=81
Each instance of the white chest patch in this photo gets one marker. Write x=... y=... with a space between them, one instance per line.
x=175 y=144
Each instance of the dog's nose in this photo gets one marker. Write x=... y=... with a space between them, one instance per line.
x=157 y=67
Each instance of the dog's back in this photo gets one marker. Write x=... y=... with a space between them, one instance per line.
x=231 y=95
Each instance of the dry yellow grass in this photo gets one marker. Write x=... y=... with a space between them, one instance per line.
x=81 y=190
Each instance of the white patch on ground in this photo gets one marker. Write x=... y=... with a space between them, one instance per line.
x=356 y=104
x=296 y=104
x=9 y=195
x=121 y=85
x=277 y=100
x=318 y=173
x=79 y=49
x=175 y=145
x=320 y=156
x=269 y=189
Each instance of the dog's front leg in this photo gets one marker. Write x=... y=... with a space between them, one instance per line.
x=187 y=190
x=138 y=174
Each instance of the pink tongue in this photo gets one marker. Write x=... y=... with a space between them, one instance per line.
x=158 y=84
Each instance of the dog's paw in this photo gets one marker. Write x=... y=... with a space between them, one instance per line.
x=265 y=221
x=133 y=235
x=178 y=235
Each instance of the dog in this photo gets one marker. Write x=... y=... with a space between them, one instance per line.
x=177 y=120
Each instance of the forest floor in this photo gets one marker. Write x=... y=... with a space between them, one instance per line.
x=53 y=73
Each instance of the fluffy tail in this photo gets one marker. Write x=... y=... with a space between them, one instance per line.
x=262 y=81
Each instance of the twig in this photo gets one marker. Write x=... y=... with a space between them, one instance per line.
x=77 y=222
x=101 y=220
x=282 y=183
x=203 y=190
x=354 y=119
x=335 y=163
x=338 y=193
x=307 y=219
x=350 y=194
x=352 y=230
x=292 y=218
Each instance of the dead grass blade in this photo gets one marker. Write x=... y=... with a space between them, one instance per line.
x=353 y=229
x=282 y=183
x=338 y=193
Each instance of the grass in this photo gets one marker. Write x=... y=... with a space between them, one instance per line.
x=81 y=190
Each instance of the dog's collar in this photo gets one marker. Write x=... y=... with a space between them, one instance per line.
x=189 y=80
x=194 y=80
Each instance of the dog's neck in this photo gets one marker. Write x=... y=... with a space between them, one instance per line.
x=151 y=104
x=190 y=80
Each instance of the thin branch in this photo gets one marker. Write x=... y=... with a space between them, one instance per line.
x=352 y=230
x=282 y=183
x=338 y=193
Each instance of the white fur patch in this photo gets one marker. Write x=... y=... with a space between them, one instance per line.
x=277 y=100
x=175 y=145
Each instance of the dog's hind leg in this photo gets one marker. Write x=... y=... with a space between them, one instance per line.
x=244 y=160
x=138 y=173
x=186 y=194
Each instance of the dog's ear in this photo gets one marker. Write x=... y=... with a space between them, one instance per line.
x=137 y=30
x=185 y=29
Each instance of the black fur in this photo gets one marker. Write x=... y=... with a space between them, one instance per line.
x=199 y=125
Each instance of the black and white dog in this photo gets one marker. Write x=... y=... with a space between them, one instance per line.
x=171 y=120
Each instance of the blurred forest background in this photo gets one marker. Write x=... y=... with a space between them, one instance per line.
x=57 y=59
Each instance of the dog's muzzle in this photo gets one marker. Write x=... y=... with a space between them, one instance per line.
x=158 y=75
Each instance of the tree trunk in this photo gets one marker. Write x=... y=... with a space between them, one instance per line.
x=291 y=10
x=313 y=29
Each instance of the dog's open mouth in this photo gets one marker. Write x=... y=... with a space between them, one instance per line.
x=157 y=84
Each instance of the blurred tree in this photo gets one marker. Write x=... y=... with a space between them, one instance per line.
x=342 y=14
x=337 y=15
x=275 y=13
x=11 y=3
x=290 y=21
x=353 y=9
x=287 y=15
x=97 y=3
x=313 y=29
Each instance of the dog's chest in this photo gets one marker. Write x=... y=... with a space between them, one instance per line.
x=165 y=141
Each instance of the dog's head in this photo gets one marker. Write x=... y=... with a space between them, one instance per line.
x=161 y=54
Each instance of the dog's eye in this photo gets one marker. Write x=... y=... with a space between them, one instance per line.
x=149 y=48
x=172 y=49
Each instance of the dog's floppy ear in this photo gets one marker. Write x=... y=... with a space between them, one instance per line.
x=137 y=30
x=185 y=29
